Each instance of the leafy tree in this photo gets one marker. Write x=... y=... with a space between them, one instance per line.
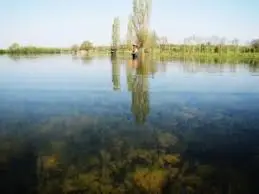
x=163 y=43
x=152 y=41
x=255 y=45
x=235 y=42
x=14 y=47
x=86 y=45
x=2 y=51
x=75 y=48
x=115 y=33
x=140 y=20
x=129 y=33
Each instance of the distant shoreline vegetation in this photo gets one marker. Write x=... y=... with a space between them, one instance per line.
x=163 y=49
x=16 y=49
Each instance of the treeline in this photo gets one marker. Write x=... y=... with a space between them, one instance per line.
x=187 y=48
x=26 y=50
x=162 y=47
x=209 y=48
x=201 y=48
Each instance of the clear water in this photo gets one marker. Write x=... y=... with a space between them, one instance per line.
x=72 y=125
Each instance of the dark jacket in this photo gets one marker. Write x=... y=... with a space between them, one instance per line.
x=134 y=55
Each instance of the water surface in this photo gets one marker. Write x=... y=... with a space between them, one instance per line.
x=96 y=125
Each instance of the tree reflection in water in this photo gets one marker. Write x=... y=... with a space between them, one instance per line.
x=140 y=93
x=115 y=73
x=86 y=59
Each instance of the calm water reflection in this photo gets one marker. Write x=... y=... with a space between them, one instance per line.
x=72 y=125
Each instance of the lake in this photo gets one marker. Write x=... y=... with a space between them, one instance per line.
x=96 y=125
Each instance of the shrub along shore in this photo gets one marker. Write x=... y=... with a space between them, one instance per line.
x=167 y=51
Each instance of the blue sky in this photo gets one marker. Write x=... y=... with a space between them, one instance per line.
x=65 y=22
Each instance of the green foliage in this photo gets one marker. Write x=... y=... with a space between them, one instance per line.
x=86 y=45
x=14 y=47
x=140 y=21
x=2 y=51
x=255 y=45
x=129 y=33
x=153 y=40
x=159 y=47
x=116 y=33
x=75 y=48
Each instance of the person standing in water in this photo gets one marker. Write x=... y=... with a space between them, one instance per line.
x=135 y=51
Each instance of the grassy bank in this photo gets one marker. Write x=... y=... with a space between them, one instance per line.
x=199 y=51
x=34 y=50
x=161 y=51
x=228 y=56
